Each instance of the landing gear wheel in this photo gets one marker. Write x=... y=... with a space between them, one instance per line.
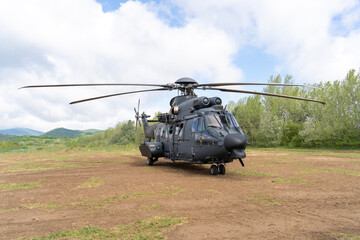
x=149 y=162
x=222 y=169
x=213 y=170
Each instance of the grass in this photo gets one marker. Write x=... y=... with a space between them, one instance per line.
x=213 y=191
x=247 y=172
x=260 y=196
x=92 y=182
x=150 y=207
x=312 y=152
x=152 y=228
x=330 y=170
x=100 y=203
x=270 y=202
x=285 y=160
x=346 y=236
x=264 y=200
x=295 y=180
x=16 y=186
x=41 y=161
x=9 y=210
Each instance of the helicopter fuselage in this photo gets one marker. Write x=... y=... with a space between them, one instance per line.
x=198 y=130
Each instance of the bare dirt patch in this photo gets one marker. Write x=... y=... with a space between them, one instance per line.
x=280 y=194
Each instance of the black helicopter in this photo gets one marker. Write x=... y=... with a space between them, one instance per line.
x=196 y=129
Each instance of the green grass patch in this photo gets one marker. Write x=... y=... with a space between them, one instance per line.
x=100 y=203
x=279 y=160
x=150 y=207
x=346 y=236
x=294 y=180
x=16 y=186
x=38 y=167
x=260 y=196
x=8 y=210
x=264 y=200
x=330 y=170
x=312 y=152
x=285 y=160
x=152 y=228
x=45 y=161
x=270 y=202
x=247 y=172
x=92 y=182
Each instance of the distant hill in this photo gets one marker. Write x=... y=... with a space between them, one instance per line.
x=91 y=131
x=64 y=132
x=20 y=132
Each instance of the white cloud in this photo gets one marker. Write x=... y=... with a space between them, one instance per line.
x=299 y=33
x=75 y=42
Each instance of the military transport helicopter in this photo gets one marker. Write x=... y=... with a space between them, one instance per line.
x=196 y=129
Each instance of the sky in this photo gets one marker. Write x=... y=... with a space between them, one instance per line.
x=113 y=41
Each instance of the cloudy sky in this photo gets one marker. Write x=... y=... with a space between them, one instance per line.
x=104 y=41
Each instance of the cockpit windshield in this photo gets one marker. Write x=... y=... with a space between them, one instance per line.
x=232 y=119
x=213 y=120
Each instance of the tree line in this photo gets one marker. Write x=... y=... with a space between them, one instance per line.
x=277 y=122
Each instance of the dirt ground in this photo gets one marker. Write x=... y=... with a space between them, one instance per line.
x=279 y=194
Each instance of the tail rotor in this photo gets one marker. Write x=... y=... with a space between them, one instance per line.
x=137 y=116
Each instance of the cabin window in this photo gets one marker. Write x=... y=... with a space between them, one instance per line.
x=209 y=140
x=212 y=120
x=181 y=131
x=194 y=125
x=163 y=130
x=166 y=133
x=199 y=126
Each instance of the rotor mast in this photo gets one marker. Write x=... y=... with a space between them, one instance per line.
x=186 y=86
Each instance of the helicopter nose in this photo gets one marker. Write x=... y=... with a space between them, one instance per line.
x=235 y=141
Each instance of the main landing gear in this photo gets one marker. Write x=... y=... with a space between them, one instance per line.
x=217 y=169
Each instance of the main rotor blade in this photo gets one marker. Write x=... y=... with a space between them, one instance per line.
x=96 y=84
x=266 y=94
x=268 y=84
x=117 y=94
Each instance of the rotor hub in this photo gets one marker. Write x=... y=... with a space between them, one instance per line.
x=186 y=81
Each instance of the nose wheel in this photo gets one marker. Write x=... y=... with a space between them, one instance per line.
x=150 y=161
x=217 y=169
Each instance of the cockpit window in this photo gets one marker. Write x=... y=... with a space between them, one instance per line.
x=234 y=120
x=213 y=120
x=229 y=120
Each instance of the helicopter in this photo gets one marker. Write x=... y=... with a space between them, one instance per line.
x=197 y=129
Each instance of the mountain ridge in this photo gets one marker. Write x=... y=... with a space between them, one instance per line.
x=20 y=132
x=56 y=132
